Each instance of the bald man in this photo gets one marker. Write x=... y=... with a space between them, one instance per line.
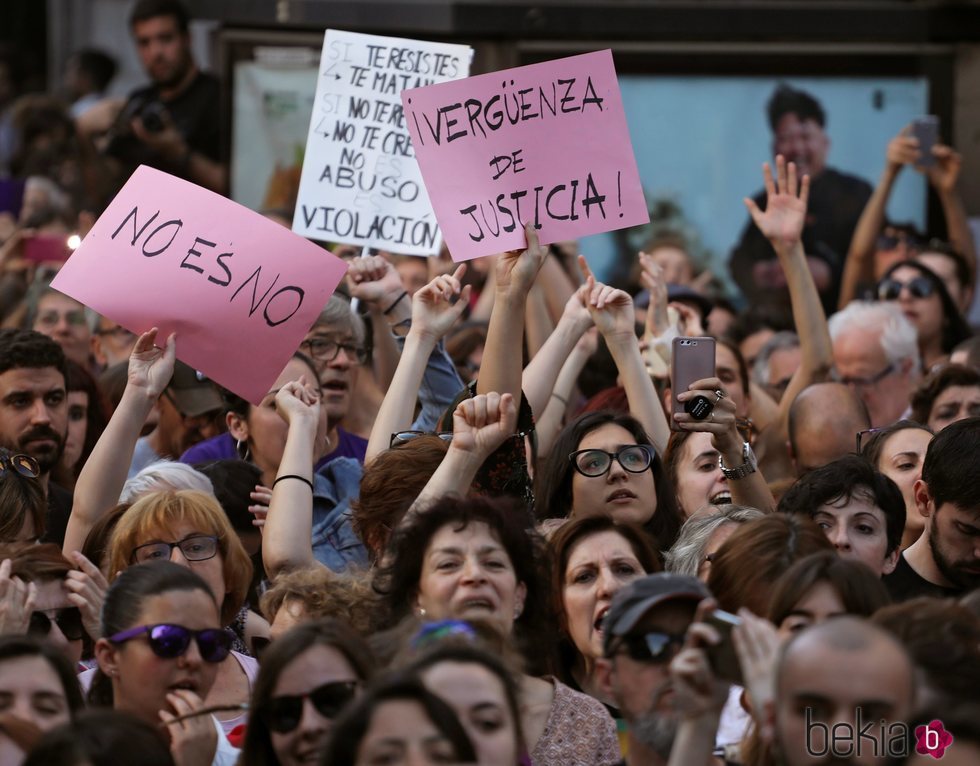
x=840 y=686
x=824 y=421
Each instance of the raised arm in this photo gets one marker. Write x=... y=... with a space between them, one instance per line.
x=480 y=425
x=433 y=315
x=287 y=539
x=102 y=478
x=943 y=176
x=502 y=354
x=552 y=420
x=612 y=312
x=782 y=224
x=538 y=380
x=376 y=283
x=859 y=264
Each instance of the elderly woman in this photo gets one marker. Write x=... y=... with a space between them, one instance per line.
x=701 y=537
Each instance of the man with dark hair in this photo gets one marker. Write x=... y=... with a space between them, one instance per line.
x=643 y=630
x=34 y=412
x=835 y=204
x=174 y=123
x=860 y=509
x=945 y=560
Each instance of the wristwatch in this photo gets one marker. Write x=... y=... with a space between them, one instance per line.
x=749 y=464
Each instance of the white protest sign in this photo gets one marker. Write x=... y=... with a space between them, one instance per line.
x=361 y=184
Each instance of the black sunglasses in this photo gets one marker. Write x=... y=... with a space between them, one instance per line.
x=283 y=714
x=920 y=287
x=652 y=647
x=172 y=641
x=68 y=619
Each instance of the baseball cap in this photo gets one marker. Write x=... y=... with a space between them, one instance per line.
x=192 y=393
x=632 y=602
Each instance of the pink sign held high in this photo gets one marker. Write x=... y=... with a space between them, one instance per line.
x=545 y=143
x=239 y=290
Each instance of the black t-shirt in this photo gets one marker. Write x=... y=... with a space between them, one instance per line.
x=905 y=583
x=835 y=204
x=59 y=509
x=195 y=112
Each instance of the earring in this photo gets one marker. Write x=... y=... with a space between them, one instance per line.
x=421 y=612
x=238 y=449
x=518 y=610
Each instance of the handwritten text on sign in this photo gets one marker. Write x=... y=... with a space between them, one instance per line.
x=361 y=183
x=545 y=143
x=239 y=290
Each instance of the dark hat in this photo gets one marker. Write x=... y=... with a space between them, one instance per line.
x=632 y=602
x=192 y=393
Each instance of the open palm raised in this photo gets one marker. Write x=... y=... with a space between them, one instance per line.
x=782 y=220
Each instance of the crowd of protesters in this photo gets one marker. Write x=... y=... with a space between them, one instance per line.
x=471 y=522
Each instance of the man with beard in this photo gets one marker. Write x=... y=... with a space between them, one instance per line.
x=34 y=412
x=945 y=560
x=643 y=631
x=842 y=685
x=188 y=413
x=174 y=123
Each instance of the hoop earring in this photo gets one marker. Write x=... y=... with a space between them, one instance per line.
x=238 y=450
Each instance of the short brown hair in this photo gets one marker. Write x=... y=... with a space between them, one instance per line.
x=20 y=497
x=758 y=552
x=155 y=512
x=35 y=563
x=347 y=596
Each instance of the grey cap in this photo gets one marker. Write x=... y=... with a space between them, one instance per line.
x=631 y=603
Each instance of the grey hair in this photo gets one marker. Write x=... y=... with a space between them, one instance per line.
x=686 y=555
x=899 y=340
x=164 y=475
x=785 y=339
x=338 y=312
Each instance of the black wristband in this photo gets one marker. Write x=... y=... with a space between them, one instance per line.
x=395 y=303
x=293 y=476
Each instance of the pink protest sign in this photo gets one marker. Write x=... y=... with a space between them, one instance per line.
x=546 y=143
x=239 y=290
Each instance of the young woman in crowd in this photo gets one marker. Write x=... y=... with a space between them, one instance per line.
x=591 y=559
x=399 y=723
x=480 y=688
x=948 y=394
x=472 y=559
x=923 y=298
x=898 y=451
x=308 y=676
x=37 y=683
x=162 y=644
x=190 y=529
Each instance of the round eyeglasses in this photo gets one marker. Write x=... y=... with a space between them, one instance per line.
x=635 y=458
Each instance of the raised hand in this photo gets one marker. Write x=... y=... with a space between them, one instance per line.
x=720 y=423
x=757 y=646
x=902 y=150
x=785 y=214
x=483 y=423
x=17 y=600
x=298 y=400
x=611 y=309
x=86 y=587
x=433 y=311
x=699 y=692
x=576 y=309
x=652 y=278
x=151 y=367
x=517 y=269
x=946 y=171
x=374 y=280
x=193 y=738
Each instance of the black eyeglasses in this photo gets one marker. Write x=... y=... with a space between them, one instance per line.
x=194 y=548
x=651 y=647
x=324 y=350
x=171 y=641
x=25 y=465
x=864 y=382
x=403 y=437
x=635 y=458
x=890 y=288
x=859 y=442
x=283 y=714
x=68 y=619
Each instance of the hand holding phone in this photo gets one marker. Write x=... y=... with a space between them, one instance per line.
x=691 y=359
x=722 y=656
x=46 y=249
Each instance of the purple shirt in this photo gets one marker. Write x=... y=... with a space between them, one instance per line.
x=222 y=447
